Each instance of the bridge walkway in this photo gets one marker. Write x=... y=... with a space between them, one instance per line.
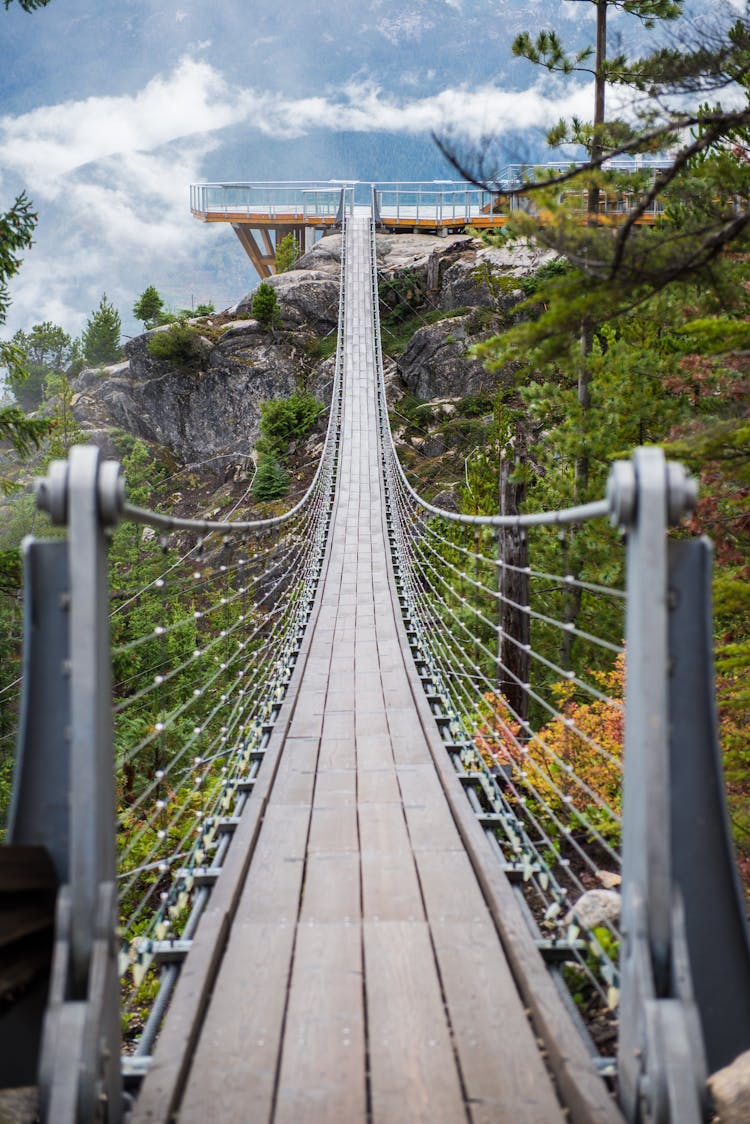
x=363 y=977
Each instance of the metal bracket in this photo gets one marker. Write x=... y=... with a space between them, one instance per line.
x=79 y=1072
x=661 y=1061
x=661 y=1054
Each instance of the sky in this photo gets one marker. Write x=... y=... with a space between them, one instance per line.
x=110 y=109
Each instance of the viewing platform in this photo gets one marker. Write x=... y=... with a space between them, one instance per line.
x=262 y=213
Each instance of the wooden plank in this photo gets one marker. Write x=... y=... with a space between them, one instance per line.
x=311 y=700
x=339 y=699
x=26 y=867
x=503 y=1073
x=409 y=747
x=413 y=1074
x=334 y=830
x=296 y=775
x=304 y=725
x=390 y=888
x=374 y=751
x=331 y=889
x=420 y=784
x=450 y=888
x=371 y=722
x=21 y=918
x=322 y=1076
x=382 y=828
x=235 y=1060
x=334 y=787
x=432 y=827
x=272 y=888
x=339 y=725
x=337 y=753
x=377 y=786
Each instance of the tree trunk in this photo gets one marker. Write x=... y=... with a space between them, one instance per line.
x=513 y=550
x=599 y=92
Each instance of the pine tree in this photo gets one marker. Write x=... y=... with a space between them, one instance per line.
x=148 y=306
x=287 y=252
x=101 y=336
x=16 y=229
x=48 y=349
x=547 y=50
x=265 y=306
x=270 y=481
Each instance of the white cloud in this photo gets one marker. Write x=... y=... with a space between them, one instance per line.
x=109 y=175
x=51 y=144
x=48 y=143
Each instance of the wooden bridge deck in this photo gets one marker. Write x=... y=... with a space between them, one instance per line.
x=362 y=978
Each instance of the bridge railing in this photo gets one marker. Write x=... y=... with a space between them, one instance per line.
x=302 y=200
x=579 y=714
x=439 y=203
x=197 y=660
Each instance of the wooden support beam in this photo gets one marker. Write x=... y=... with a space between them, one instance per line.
x=263 y=263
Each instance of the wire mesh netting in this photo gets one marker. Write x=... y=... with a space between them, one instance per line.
x=523 y=664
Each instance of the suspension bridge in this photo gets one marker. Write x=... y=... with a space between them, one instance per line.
x=358 y=798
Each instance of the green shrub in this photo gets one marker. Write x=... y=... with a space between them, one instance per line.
x=287 y=252
x=265 y=306
x=180 y=345
x=286 y=419
x=270 y=481
x=207 y=309
x=475 y=406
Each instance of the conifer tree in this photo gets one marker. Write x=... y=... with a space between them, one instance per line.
x=265 y=306
x=16 y=229
x=47 y=349
x=287 y=252
x=101 y=336
x=148 y=306
x=548 y=51
x=270 y=481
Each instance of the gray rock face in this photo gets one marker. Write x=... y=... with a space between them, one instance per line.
x=435 y=363
x=469 y=280
x=306 y=296
x=215 y=406
x=197 y=413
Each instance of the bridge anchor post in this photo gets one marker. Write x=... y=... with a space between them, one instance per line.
x=676 y=882
x=79 y=1068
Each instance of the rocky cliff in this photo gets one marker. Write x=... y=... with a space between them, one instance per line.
x=446 y=288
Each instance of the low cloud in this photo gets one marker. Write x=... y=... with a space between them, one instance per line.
x=109 y=175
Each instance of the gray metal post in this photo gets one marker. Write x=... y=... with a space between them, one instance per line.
x=79 y=1070
x=703 y=854
x=661 y=1062
x=375 y=204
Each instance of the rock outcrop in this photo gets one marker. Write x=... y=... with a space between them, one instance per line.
x=212 y=404
x=207 y=409
x=436 y=363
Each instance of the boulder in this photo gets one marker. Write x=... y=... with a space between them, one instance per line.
x=306 y=296
x=446 y=501
x=484 y=276
x=435 y=363
x=595 y=907
x=730 y=1088
x=194 y=413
